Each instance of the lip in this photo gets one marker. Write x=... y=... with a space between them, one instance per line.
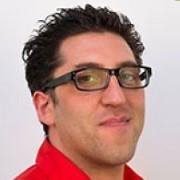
x=115 y=121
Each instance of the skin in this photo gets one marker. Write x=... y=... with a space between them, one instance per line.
x=74 y=120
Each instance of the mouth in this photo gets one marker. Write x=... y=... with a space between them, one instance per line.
x=115 y=122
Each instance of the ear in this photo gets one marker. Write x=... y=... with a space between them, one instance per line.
x=44 y=108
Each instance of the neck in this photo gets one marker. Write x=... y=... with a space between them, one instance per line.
x=94 y=170
x=105 y=173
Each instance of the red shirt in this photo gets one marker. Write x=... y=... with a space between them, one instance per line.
x=51 y=164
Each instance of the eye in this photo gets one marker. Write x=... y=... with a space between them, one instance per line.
x=129 y=76
x=88 y=77
x=91 y=78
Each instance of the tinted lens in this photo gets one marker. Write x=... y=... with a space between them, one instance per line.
x=91 y=79
x=133 y=77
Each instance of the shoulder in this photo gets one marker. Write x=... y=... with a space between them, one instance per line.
x=32 y=173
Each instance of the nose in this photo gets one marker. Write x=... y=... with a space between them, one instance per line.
x=113 y=95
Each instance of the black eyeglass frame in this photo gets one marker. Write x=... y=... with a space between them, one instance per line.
x=71 y=76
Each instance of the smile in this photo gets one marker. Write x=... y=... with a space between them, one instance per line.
x=121 y=121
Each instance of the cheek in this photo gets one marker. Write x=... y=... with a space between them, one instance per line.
x=137 y=105
x=136 y=100
x=76 y=108
x=75 y=119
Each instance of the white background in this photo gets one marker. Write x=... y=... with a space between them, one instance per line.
x=158 y=21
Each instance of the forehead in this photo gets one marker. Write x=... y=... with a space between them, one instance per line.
x=106 y=49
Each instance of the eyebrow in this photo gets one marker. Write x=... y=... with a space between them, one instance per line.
x=95 y=65
x=127 y=63
x=88 y=65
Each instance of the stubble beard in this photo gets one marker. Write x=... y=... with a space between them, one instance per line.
x=105 y=155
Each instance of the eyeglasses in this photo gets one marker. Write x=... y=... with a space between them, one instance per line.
x=93 y=79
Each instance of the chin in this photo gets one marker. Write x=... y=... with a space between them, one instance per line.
x=117 y=156
x=122 y=157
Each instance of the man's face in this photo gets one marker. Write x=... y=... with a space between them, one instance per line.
x=103 y=126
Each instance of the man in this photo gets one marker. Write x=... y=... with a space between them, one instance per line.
x=85 y=73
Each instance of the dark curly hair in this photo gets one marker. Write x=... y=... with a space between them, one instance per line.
x=40 y=52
